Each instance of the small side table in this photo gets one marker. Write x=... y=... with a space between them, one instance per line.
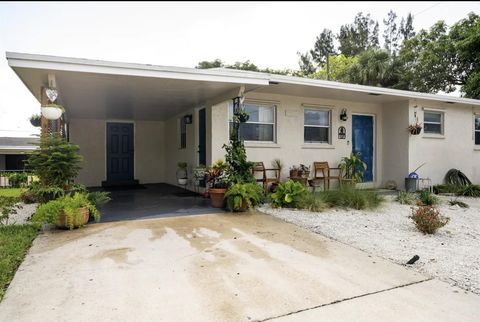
x=425 y=183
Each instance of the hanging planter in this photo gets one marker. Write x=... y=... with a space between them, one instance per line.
x=52 y=111
x=415 y=129
x=242 y=116
x=35 y=120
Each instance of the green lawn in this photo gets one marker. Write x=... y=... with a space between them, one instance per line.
x=15 y=240
x=10 y=192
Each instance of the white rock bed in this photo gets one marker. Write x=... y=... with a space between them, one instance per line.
x=23 y=214
x=452 y=254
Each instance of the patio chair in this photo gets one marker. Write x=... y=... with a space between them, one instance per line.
x=326 y=174
x=259 y=167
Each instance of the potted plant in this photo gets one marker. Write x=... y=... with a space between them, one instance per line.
x=293 y=171
x=415 y=129
x=304 y=171
x=217 y=175
x=52 y=111
x=182 y=176
x=35 y=120
x=352 y=168
x=278 y=165
x=67 y=212
x=242 y=196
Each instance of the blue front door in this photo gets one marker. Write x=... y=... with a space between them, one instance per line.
x=119 y=151
x=362 y=141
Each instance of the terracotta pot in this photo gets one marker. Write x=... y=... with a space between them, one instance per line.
x=217 y=197
x=79 y=222
x=243 y=207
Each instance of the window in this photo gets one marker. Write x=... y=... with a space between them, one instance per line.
x=433 y=122
x=183 y=133
x=316 y=126
x=260 y=126
x=477 y=129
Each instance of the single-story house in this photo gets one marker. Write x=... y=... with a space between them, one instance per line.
x=136 y=121
x=14 y=150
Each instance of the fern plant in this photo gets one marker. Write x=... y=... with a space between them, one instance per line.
x=69 y=206
x=240 y=193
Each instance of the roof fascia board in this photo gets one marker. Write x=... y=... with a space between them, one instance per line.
x=127 y=69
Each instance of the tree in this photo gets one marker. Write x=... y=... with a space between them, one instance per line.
x=373 y=67
x=359 y=36
x=391 y=34
x=339 y=64
x=306 y=64
x=205 y=64
x=323 y=47
x=406 y=28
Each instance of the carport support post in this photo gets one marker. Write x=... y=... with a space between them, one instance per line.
x=45 y=123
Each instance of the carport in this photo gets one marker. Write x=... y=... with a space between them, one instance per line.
x=153 y=201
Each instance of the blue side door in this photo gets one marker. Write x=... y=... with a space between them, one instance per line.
x=120 y=151
x=362 y=141
x=202 y=137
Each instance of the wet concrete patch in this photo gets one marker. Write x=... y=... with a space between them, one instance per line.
x=235 y=267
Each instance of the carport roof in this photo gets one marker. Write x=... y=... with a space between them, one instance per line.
x=104 y=89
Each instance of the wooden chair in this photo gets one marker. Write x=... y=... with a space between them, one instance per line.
x=259 y=167
x=326 y=174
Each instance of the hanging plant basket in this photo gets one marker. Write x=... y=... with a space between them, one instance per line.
x=52 y=111
x=35 y=120
x=415 y=129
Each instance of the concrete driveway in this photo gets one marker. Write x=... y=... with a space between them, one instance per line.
x=219 y=267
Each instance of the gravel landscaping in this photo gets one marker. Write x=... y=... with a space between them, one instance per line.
x=23 y=214
x=452 y=254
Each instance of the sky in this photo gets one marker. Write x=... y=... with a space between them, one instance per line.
x=269 y=34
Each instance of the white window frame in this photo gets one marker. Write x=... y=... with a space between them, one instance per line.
x=442 y=122
x=263 y=104
x=475 y=116
x=323 y=109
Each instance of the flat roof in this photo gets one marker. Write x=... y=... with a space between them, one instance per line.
x=221 y=75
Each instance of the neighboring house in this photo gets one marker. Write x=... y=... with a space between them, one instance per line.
x=13 y=152
x=129 y=120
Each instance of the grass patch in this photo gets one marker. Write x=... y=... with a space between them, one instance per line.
x=406 y=198
x=348 y=197
x=11 y=192
x=15 y=240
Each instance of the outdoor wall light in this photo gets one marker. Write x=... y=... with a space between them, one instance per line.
x=343 y=115
x=188 y=119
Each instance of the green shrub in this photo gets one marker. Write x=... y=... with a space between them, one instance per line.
x=406 y=198
x=56 y=162
x=426 y=198
x=289 y=194
x=472 y=190
x=311 y=202
x=446 y=188
x=17 y=179
x=50 y=212
x=236 y=195
x=98 y=198
x=459 y=203
x=349 y=197
x=428 y=219
x=8 y=206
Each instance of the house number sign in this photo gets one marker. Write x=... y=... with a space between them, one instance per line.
x=342 y=132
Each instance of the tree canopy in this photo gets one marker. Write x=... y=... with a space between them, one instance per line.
x=442 y=58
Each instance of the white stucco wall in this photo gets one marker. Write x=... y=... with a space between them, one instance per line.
x=454 y=149
x=395 y=156
x=149 y=159
x=172 y=145
x=290 y=146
